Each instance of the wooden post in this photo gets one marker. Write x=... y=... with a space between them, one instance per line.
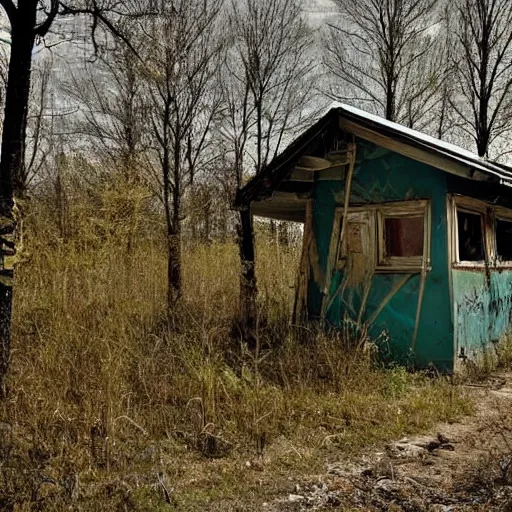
x=300 y=307
x=248 y=287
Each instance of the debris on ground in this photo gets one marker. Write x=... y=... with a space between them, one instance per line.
x=464 y=466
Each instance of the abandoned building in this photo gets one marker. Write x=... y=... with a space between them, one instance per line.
x=405 y=236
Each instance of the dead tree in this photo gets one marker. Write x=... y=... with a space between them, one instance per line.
x=444 y=118
x=484 y=67
x=182 y=57
x=268 y=81
x=380 y=56
x=113 y=119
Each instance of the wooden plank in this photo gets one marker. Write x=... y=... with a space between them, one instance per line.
x=334 y=246
x=303 y=275
x=421 y=293
x=388 y=297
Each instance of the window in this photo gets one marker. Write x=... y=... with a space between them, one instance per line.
x=403 y=236
x=359 y=238
x=481 y=233
x=387 y=237
x=470 y=236
x=503 y=240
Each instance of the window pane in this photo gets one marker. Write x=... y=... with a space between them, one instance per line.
x=404 y=236
x=504 y=239
x=471 y=241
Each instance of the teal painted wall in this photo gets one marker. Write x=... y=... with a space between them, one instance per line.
x=482 y=299
x=380 y=176
x=483 y=305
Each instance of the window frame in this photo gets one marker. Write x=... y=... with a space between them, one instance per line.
x=490 y=214
x=338 y=251
x=503 y=214
x=378 y=213
x=403 y=209
x=475 y=207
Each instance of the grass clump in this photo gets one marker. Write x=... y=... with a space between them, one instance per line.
x=112 y=407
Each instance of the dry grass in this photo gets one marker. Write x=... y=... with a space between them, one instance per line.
x=112 y=407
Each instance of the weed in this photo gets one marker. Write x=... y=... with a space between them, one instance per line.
x=105 y=394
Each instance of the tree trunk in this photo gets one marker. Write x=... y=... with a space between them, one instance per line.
x=12 y=164
x=174 y=238
x=248 y=288
x=173 y=266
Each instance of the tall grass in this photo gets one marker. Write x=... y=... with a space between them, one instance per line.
x=100 y=374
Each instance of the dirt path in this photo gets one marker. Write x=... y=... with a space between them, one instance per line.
x=457 y=467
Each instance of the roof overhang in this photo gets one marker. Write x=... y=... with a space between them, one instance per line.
x=280 y=191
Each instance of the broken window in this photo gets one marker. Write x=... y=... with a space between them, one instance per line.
x=387 y=237
x=402 y=241
x=470 y=236
x=404 y=236
x=504 y=239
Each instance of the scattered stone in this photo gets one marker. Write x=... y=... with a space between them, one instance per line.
x=294 y=498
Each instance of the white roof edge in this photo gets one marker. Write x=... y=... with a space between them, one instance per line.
x=447 y=149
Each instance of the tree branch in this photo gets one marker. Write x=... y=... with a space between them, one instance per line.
x=10 y=9
x=98 y=17
x=42 y=29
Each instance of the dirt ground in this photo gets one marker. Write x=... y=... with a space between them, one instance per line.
x=457 y=467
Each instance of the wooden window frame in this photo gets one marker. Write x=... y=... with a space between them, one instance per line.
x=489 y=213
x=338 y=252
x=403 y=209
x=342 y=249
x=475 y=207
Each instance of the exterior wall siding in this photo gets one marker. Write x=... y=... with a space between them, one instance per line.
x=483 y=306
x=482 y=298
x=382 y=176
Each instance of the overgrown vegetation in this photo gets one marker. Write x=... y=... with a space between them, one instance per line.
x=113 y=407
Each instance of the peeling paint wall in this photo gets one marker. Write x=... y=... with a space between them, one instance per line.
x=380 y=176
x=482 y=298
x=483 y=306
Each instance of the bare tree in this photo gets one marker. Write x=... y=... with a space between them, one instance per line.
x=182 y=57
x=113 y=119
x=445 y=117
x=484 y=68
x=268 y=84
x=382 y=56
